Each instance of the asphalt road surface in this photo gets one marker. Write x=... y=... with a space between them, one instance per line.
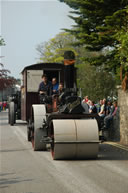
x=24 y=171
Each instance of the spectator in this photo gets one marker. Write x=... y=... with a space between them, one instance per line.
x=1 y=106
x=85 y=100
x=108 y=119
x=105 y=105
x=99 y=106
x=108 y=107
x=102 y=109
x=93 y=108
x=55 y=86
x=4 y=105
x=89 y=104
x=61 y=88
x=85 y=106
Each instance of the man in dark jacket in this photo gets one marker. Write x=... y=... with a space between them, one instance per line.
x=108 y=119
x=45 y=86
x=93 y=108
x=45 y=90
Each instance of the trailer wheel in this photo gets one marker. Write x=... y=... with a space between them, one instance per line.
x=12 y=118
x=38 y=114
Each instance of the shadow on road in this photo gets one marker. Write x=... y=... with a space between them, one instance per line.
x=13 y=150
x=106 y=152
x=5 y=174
x=5 y=182
x=109 y=152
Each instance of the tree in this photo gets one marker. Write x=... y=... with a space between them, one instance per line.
x=2 y=42
x=53 y=50
x=98 y=23
x=5 y=80
x=94 y=82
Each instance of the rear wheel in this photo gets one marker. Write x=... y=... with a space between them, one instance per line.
x=12 y=117
x=9 y=114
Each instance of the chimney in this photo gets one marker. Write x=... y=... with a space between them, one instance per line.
x=69 y=61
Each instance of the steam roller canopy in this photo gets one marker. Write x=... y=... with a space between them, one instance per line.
x=77 y=139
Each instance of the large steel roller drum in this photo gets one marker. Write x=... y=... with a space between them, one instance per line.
x=75 y=139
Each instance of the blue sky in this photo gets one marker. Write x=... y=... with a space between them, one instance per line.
x=24 y=24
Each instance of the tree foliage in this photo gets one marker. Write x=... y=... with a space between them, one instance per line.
x=53 y=50
x=2 y=42
x=99 y=24
x=94 y=81
x=5 y=80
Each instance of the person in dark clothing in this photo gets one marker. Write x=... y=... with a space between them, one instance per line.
x=45 y=86
x=61 y=88
x=108 y=107
x=108 y=119
x=45 y=91
x=93 y=108
x=55 y=86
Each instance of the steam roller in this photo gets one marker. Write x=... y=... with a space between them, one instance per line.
x=64 y=123
x=71 y=136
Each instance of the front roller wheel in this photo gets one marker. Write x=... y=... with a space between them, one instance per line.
x=38 y=114
x=75 y=139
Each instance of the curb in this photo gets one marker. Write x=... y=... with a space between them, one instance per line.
x=117 y=145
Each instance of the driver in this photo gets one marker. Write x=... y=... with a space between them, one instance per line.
x=45 y=87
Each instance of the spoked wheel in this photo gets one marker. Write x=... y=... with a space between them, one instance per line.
x=75 y=139
x=12 y=117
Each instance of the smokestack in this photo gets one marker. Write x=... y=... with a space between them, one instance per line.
x=69 y=61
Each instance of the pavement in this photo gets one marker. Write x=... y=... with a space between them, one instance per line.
x=24 y=171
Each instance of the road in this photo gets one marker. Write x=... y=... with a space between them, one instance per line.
x=24 y=171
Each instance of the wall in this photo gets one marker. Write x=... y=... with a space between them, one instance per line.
x=114 y=130
x=123 y=104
